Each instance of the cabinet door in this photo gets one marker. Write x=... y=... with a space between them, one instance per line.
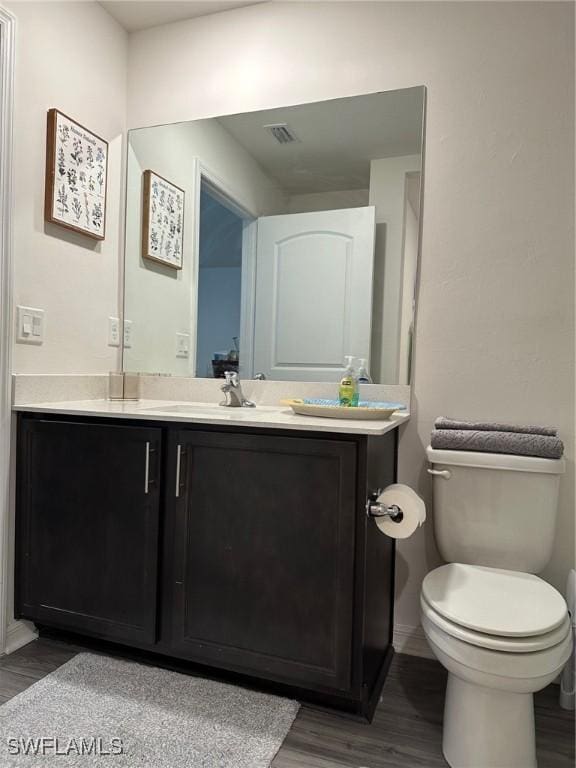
x=87 y=514
x=261 y=547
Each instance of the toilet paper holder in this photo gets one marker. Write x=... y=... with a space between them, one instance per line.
x=375 y=508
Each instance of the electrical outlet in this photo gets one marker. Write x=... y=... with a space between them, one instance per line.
x=30 y=325
x=113 y=332
x=127 y=333
x=182 y=345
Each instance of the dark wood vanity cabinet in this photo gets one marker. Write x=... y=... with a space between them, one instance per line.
x=244 y=550
x=262 y=541
x=87 y=527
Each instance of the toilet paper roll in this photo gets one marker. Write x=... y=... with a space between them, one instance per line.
x=413 y=510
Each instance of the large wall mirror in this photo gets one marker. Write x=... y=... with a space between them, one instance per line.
x=278 y=242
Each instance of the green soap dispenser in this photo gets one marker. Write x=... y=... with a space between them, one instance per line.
x=348 y=392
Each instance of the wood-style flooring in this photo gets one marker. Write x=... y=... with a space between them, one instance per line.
x=406 y=731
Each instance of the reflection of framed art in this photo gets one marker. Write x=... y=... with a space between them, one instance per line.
x=76 y=176
x=162 y=221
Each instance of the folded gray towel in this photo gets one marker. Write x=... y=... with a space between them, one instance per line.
x=443 y=422
x=543 y=446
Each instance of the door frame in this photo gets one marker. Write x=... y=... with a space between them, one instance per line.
x=234 y=201
x=7 y=60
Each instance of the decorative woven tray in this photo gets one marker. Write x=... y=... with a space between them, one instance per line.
x=331 y=409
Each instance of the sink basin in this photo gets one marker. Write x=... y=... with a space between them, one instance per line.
x=201 y=409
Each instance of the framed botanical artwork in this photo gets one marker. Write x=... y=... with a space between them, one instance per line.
x=76 y=176
x=162 y=220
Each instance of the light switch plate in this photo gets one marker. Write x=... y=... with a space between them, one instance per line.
x=127 y=334
x=29 y=325
x=113 y=332
x=182 y=345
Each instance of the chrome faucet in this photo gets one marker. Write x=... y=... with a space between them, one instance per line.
x=234 y=397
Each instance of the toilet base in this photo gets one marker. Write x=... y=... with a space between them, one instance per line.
x=487 y=727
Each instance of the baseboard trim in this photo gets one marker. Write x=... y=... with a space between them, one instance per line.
x=412 y=641
x=19 y=634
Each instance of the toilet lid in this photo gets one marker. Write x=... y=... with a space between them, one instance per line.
x=494 y=601
x=497 y=642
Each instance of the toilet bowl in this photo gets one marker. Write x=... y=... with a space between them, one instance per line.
x=501 y=635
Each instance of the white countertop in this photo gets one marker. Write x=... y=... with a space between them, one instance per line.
x=264 y=416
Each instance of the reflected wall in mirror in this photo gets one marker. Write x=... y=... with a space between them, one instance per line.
x=300 y=242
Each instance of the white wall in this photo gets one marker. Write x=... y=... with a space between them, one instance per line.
x=168 y=295
x=409 y=274
x=158 y=299
x=387 y=194
x=495 y=327
x=73 y=56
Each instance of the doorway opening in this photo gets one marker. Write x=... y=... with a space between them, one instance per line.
x=222 y=273
x=13 y=634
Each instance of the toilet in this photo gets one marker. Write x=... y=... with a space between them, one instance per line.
x=501 y=632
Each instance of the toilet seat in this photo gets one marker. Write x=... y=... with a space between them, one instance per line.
x=494 y=642
x=508 y=605
x=493 y=668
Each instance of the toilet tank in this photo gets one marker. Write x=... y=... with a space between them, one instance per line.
x=494 y=509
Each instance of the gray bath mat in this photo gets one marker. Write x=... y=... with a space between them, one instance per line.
x=95 y=710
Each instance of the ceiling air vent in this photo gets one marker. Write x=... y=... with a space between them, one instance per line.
x=282 y=133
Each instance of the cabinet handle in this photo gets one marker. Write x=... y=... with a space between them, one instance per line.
x=147 y=468
x=178 y=459
x=445 y=473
